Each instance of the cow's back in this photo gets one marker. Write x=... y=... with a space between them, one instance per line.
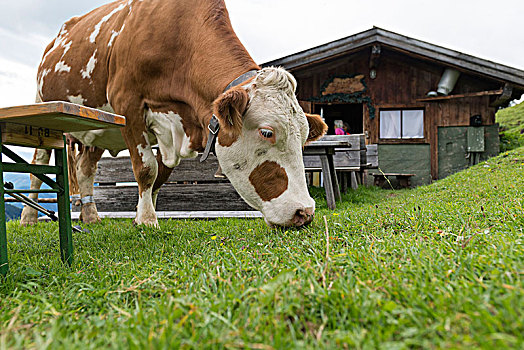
x=134 y=56
x=75 y=64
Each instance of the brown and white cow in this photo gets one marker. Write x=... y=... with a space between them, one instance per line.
x=165 y=66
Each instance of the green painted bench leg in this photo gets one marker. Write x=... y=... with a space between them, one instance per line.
x=64 y=210
x=4 y=266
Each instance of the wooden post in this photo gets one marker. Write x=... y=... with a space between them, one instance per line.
x=333 y=176
x=4 y=265
x=64 y=210
x=328 y=184
x=354 y=182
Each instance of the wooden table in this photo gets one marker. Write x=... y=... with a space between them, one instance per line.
x=326 y=150
x=43 y=126
x=349 y=158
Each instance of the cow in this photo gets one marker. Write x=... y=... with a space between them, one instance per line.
x=178 y=73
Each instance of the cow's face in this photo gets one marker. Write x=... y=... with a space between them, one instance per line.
x=259 y=147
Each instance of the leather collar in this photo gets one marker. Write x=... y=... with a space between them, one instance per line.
x=213 y=125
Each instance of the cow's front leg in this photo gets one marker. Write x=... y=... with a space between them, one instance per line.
x=30 y=215
x=85 y=172
x=162 y=175
x=145 y=169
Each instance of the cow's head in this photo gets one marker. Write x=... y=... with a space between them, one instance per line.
x=259 y=146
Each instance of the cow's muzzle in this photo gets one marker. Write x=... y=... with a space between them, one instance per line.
x=303 y=217
x=300 y=219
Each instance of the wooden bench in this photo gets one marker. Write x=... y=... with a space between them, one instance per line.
x=192 y=189
x=43 y=125
x=404 y=180
x=349 y=159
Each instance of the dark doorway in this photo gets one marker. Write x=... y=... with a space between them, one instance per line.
x=350 y=113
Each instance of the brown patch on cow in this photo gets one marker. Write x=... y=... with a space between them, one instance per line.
x=229 y=109
x=269 y=179
x=317 y=127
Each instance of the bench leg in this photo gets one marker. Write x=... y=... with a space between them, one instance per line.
x=4 y=265
x=354 y=182
x=328 y=182
x=64 y=211
x=343 y=182
x=336 y=189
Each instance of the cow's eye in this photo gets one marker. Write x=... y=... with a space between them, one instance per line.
x=266 y=133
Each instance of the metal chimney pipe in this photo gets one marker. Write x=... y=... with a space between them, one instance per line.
x=447 y=81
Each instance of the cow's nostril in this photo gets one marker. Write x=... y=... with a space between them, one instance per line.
x=303 y=217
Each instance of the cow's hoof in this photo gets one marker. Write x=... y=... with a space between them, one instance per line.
x=89 y=214
x=149 y=223
x=29 y=216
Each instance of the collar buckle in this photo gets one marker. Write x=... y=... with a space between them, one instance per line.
x=213 y=125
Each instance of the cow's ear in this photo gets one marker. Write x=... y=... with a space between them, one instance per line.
x=229 y=109
x=317 y=127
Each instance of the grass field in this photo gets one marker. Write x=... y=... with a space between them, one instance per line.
x=440 y=266
x=511 y=121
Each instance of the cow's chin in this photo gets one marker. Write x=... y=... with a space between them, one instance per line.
x=289 y=225
x=289 y=214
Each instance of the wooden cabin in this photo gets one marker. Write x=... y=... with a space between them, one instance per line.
x=431 y=110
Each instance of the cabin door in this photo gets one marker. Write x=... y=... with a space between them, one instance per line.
x=337 y=114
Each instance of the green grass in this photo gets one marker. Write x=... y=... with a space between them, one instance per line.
x=436 y=267
x=511 y=122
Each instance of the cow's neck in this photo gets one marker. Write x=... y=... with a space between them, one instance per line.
x=199 y=53
x=218 y=58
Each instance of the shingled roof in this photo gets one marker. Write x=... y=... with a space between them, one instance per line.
x=404 y=44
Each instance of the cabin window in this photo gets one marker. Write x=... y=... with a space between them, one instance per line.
x=402 y=124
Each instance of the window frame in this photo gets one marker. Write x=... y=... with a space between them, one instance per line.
x=403 y=139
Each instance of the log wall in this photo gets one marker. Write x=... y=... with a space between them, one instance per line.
x=402 y=81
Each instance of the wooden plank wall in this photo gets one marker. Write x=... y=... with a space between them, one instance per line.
x=191 y=186
x=401 y=80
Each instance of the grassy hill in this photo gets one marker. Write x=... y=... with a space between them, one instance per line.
x=12 y=212
x=511 y=121
x=20 y=180
x=440 y=266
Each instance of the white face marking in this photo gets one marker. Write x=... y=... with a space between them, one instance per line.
x=272 y=104
x=86 y=72
x=62 y=67
x=169 y=133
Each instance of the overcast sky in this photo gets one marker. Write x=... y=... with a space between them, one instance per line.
x=274 y=28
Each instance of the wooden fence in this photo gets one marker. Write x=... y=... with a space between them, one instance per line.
x=193 y=186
